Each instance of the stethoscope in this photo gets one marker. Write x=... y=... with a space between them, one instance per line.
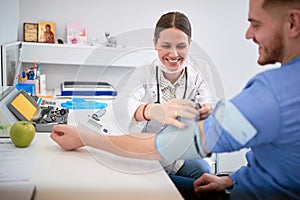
x=157 y=84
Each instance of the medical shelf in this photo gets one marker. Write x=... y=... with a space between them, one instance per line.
x=85 y=55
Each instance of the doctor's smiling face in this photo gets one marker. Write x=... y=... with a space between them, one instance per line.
x=172 y=47
x=172 y=38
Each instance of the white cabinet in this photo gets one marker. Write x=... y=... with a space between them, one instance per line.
x=70 y=62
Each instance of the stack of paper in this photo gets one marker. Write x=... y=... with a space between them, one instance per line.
x=87 y=88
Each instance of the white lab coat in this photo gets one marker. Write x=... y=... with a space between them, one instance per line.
x=141 y=88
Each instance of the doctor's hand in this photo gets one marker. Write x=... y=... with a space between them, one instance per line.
x=168 y=112
x=66 y=136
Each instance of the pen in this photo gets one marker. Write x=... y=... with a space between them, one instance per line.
x=35 y=69
x=38 y=69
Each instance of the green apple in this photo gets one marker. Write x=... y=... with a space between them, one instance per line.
x=22 y=133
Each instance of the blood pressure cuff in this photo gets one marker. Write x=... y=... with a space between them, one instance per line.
x=180 y=144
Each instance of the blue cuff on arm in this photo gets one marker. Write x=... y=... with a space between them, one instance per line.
x=180 y=144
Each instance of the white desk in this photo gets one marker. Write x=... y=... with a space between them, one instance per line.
x=87 y=173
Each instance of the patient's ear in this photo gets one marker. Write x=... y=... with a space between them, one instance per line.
x=294 y=23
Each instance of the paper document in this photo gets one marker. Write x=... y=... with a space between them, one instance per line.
x=16 y=163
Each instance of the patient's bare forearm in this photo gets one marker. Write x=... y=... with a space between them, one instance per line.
x=141 y=146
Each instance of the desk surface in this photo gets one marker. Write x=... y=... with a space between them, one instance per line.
x=89 y=173
x=92 y=174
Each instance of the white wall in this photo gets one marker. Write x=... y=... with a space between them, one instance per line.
x=9 y=19
x=218 y=26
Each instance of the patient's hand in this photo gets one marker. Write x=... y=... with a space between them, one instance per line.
x=205 y=111
x=208 y=183
x=66 y=136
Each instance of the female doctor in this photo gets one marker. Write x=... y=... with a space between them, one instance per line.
x=155 y=93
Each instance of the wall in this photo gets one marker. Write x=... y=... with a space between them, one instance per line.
x=218 y=27
x=9 y=23
x=9 y=20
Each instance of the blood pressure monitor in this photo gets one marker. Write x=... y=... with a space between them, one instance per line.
x=18 y=105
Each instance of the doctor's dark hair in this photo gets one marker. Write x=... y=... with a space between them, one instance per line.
x=173 y=20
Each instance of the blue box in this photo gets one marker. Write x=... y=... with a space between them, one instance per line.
x=27 y=87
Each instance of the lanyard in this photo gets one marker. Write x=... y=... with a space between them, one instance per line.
x=157 y=84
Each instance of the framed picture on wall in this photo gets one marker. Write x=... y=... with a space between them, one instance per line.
x=46 y=32
x=30 y=32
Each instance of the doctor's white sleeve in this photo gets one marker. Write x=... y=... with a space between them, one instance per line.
x=207 y=84
x=128 y=100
